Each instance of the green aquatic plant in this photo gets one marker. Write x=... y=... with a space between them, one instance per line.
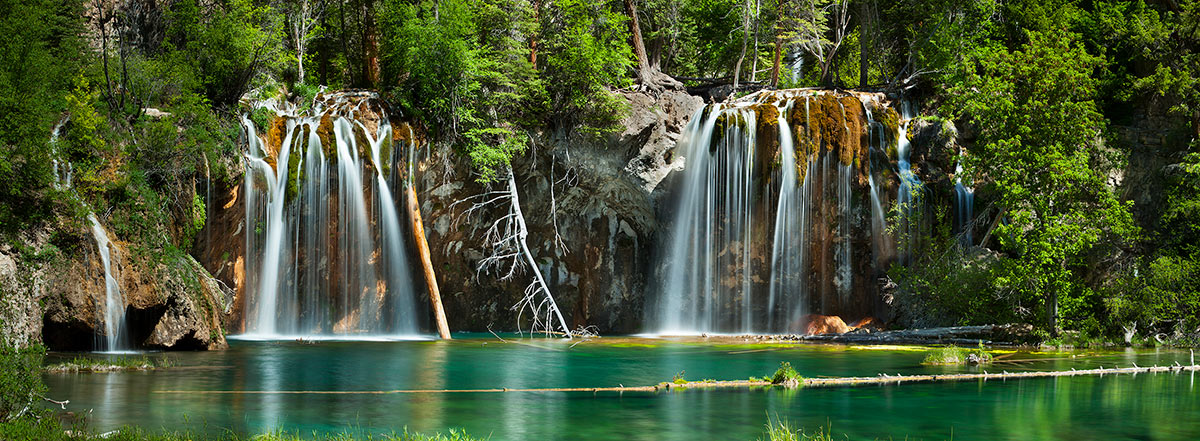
x=781 y=430
x=954 y=355
x=85 y=364
x=787 y=375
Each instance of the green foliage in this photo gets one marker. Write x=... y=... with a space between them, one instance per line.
x=21 y=385
x=586 y=53
x=781 y=430
x=786 y=374
x=224 y=43
x=464 y=75
x=1038 y=124
x=39 y=43
x=954 y=355
x=87 y=364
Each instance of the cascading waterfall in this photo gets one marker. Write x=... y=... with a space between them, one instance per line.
x=715 y=213
x=789 y=252
x=762 y=232
x=326 y=255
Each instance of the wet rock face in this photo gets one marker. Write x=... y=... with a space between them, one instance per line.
x=602 y=194
x=180 y=311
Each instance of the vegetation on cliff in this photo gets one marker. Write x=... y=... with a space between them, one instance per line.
x=148 y=106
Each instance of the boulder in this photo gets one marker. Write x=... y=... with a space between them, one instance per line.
x=825 y=324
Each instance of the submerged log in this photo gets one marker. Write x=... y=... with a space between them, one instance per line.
x=881 y=379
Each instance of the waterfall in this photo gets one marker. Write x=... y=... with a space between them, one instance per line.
x=712 y=227
x=964 y=207
x=909 y=195
x=326 y=255
x=762 y=231
x=115 y=339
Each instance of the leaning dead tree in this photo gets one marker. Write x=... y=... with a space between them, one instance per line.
x=508 y=255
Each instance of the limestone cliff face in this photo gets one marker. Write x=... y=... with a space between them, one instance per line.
x=591 y=210
x=58 y=299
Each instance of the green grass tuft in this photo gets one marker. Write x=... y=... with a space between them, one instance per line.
x=954 y=355
x=786 y=374
x=84 y=364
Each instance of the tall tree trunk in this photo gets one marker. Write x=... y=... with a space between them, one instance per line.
x=778 y=61
x=638 y=47
x=864 y=38
x=370 y=45
x=537 y=18
x=754 y=62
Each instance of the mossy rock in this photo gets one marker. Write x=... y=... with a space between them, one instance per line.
x=325 y=133
x=275 y=136
x=295 y=173
x=766 y=117
x=891 y=124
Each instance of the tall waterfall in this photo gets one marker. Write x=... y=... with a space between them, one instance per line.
x=766 y=227
x=326 y=255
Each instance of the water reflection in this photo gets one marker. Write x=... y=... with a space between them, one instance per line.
x=1146 y=406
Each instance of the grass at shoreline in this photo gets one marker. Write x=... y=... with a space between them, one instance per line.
x=48 y=429
x=100 y=365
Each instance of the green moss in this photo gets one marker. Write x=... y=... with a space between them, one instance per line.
x=295 y=157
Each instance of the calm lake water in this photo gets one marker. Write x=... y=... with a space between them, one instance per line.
x=1144 y=407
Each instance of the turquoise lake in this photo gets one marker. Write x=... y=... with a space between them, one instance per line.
x=1142 y=407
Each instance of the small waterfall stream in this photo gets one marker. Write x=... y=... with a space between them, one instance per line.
x=116 y=336
x=326 y=254
x=909 y=195
x=964 y=207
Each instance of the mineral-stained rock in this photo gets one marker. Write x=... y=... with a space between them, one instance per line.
x=174 y=305
x=825 y=324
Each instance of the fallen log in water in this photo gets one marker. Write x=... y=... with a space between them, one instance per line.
x=881 y=379
x=958 y=335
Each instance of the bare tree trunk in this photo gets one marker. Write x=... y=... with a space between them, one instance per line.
x=435 y=296
x=102 y=22
x=370 y=45
x=754 y=62
x=522 y=234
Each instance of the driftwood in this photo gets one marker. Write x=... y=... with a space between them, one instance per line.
x=958 y=335
x=881 y=379
x=435 y=296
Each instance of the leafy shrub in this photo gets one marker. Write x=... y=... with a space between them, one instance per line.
x=786 y=374
x=20 y=380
